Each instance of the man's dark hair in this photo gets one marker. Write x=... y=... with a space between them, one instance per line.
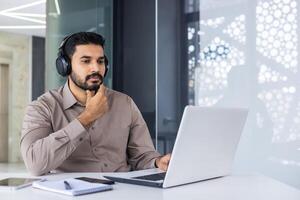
x=82 y=38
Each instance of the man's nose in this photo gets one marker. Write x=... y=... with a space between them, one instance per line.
x=94 y=67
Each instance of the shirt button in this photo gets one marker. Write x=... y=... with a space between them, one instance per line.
x=93 y=128
x=80 y=139
x=105 y=165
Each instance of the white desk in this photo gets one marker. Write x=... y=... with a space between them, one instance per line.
x=235 y=187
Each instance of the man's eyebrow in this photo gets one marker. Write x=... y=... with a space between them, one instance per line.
x=85 y=57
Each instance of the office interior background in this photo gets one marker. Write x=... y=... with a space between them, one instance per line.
x=167 y=54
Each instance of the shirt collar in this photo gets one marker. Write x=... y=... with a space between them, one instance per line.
x=68 y=98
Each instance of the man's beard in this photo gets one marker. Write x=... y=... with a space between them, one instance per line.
x=84 y=85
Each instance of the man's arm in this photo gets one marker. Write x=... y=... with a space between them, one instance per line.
x=42 y=149
x=140 y=149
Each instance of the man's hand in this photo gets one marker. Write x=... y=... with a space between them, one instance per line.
x=163 y=162
x=95 y=107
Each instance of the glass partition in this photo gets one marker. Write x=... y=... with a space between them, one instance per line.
x=68 y=16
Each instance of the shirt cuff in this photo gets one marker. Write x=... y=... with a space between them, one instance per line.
x=76 y=132
x=153 y=165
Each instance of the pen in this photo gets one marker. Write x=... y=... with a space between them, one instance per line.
x=67 y=185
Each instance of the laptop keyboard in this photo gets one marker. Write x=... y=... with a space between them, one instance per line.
x=153 y=177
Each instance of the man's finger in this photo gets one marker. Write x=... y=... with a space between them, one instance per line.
x=88 y=95
x=165 y=167
x=101 y=91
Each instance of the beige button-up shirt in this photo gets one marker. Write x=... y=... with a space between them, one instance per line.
x=53 y=139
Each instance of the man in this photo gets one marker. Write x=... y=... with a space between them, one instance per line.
x=84 y=126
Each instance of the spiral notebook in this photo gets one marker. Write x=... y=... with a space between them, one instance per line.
x=78 y=187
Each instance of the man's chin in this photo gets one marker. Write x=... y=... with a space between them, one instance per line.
x=94 y=87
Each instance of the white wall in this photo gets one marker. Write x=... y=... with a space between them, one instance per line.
x=15 y=51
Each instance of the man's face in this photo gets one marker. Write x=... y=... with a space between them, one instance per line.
x=88 y=66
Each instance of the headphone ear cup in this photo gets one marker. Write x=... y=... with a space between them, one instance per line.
x=106 y=65
x=63 y=66
x=106 y=70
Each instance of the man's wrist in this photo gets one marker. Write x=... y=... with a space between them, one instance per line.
x=156 y=162
x=85 y=119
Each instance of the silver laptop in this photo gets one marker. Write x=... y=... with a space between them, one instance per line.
x=205 y=147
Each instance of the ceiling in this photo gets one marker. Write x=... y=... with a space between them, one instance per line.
x=23 y=17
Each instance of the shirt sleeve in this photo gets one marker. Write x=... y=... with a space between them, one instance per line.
x=42 y=149
x=140 y=149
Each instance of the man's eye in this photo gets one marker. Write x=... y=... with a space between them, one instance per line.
x=101 y=61
x=85 y=61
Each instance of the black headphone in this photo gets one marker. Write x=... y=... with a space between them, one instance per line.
x=63 y=63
